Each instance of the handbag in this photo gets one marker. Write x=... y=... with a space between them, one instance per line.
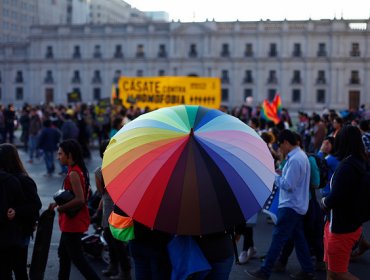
x=62 y=196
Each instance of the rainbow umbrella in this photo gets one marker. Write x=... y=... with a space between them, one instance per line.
x=188 y=170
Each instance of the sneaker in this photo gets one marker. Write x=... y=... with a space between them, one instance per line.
x=245 y=256
x=303 y=276
x=279 y=267
x=252 y=253
x=258 y=274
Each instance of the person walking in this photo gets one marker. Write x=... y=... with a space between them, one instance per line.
x=119 y=266
x=11 y=196
x=48 y=142
x=27 y=213
x=34 y=130
x=294 y=183
x=343 y=226
x=73 y=226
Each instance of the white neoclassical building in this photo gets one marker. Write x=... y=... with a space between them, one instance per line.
x=312 y=64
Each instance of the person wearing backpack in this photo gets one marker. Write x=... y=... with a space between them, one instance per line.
x=345 y=203
x=313 y=221
x=27 y=213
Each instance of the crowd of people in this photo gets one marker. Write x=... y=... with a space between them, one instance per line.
x=317 y=218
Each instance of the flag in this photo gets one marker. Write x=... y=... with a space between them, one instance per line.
x=271 y=111
x=277 y=104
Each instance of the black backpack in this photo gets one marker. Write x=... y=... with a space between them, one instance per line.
x=324 y=169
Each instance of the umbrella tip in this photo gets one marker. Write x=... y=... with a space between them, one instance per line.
x=192 y=131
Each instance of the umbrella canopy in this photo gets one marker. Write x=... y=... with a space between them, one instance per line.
x=188 y=170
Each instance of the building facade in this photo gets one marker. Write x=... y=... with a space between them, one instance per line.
x=312 y=64
x=16 y=16
x=15 y=19
x=113 y=11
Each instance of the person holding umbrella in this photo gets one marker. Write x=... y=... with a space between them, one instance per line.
x=294 y=183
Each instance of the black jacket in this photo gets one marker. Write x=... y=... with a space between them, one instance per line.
x=28 y=212
x=344 y=197
x=11 y=196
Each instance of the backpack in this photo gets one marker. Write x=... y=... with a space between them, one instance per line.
x=324 y=169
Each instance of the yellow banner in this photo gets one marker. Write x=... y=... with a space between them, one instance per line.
x=158 y=92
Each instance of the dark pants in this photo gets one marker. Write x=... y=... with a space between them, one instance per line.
x=248 y=238
x=117 y=251
x=49 y=161
x=70 y=250
x=289 y=225
x=7 y=261
x=20 y=266
x=151 y=261
x=313 y=224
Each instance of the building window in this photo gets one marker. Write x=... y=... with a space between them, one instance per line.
x=225 y=50
x=97 y=93
x=271 y=94
x=140 y=51
x=49 y=77
x=19 y=77
x=296 y=77
x=97 y=52
x=296 y=96
x=76 y=79
x=355 y=51
x=225 y=77
x=248 y=92
x=161 y=72
x=248 y=50
x=297 y=50
x=225 y=95
x=321 y=80
x=162 y=53
x=273 y=50
x=117 y=75
x=320 y=96
x=96 y=78
x=248 y=79
x=76 y=52
x=118 y=52
x=19 y=93
x=49 y=52
x=321 y=52
x=355 y=78
x=193 y=51
x=139 y=73
x=272 y=79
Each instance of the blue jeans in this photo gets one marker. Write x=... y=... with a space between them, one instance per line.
x=49 y=161
x=151 y=261
x=289 y=225
x=32 y=146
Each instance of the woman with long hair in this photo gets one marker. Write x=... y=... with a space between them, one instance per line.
x=73 y=226
x=343 y=227
x=27 y=213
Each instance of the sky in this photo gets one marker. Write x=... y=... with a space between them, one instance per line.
x=247 y=10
